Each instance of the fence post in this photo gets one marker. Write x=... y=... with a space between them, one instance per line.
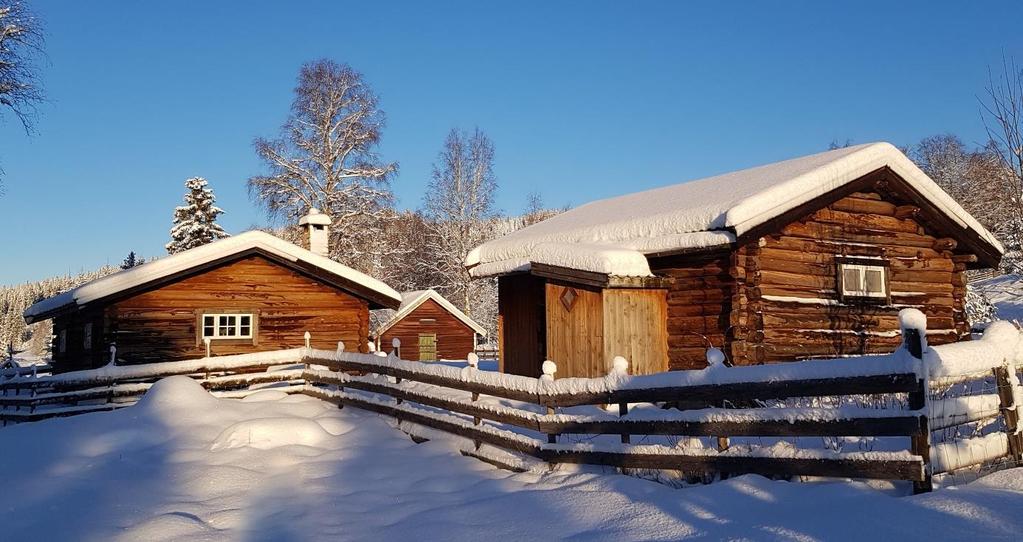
x=308 y=339
x=620 y=368
x=1006 y=382
x=474 y=362
x=549 y=369
x=207 y=341
x=914 y=332
x=396 y=343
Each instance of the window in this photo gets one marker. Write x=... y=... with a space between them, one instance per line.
x=227 y=326
x=427 y=347
x=87 y=336
x=863 y=281
x=62 y=341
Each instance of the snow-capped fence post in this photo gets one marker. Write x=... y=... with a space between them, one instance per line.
x=473 y=362
x=549 y=369
x=207 y=341
x=1009 y=390
x=620 y=368
x=308 y=339
x=340 y=347
x=113 y=354
x=396 y=344
x=913 y=324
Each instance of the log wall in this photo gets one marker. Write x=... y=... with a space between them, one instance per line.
x=698 y=305
x=161 y=324
x=787 y=304
x=454 y=339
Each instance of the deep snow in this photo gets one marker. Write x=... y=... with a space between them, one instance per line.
x=183 y=465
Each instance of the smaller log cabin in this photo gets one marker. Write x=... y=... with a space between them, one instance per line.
x=430 y=328
x=808 y=258
x=248 y=293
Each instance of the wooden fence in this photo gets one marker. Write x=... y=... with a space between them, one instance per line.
x=563 y=420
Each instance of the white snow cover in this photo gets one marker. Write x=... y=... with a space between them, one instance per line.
x=188 y=259
x=1000 y=343
x=410 y=301
x=718 y=208
x=149 y=472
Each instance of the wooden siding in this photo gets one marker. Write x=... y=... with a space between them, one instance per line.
x=77 y=356
x=522 y=324
x=575 y=338
x=698 y=305
x=454 y=339
x=788 y=305
x=161 y=325
x=635 y=328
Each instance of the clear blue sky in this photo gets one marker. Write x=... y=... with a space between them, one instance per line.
x=583 y=99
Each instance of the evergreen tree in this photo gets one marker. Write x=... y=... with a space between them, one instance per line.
x=195 y=223
x=130 y=261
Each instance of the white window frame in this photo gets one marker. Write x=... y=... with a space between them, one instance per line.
x=860 y=290
x=234 y=322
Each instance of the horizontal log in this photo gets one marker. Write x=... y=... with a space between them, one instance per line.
x=857 y=234
x=747 y=391
x=859 y=205
x=879 y=427
x=908 y=469
x=864 y=220
x=875 y=247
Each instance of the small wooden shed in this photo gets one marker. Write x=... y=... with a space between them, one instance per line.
x=430 y=328
x=248 y=293
x=807 y=258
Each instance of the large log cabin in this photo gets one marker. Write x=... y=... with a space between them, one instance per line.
x=429 y=328
x=807 y=258
x=248 y=293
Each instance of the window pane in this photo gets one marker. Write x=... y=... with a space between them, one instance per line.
x=207 y=331
x=245 y=331
x=245 y=320
x=207 y=321
x=874 y=282
x=851 y=280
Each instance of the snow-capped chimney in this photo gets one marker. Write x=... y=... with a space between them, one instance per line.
x=318 y=225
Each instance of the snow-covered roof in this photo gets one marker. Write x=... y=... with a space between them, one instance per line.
x=410 y=301
x=701 y=214
x=184 y=261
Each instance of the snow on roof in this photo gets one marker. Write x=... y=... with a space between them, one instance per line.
x=183 y=261
x=720 y=207
x=412 y=300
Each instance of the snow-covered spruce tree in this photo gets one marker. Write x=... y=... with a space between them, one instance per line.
x=195 y=222
x=326 y=158
x=979 y=309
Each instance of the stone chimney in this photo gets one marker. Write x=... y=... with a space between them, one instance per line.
x=318 y=226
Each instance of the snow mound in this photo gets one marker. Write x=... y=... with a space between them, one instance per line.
x=267 y=433
x=176 y=394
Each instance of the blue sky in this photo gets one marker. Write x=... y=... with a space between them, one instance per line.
x=583 y=99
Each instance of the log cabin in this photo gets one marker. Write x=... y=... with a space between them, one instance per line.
x=429 y=328
x=248 y=293
x=807 y=258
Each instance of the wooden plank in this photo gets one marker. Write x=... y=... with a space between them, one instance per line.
x=908 y=469
x=893 y=426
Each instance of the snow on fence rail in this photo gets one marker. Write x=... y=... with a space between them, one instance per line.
x=539 y=417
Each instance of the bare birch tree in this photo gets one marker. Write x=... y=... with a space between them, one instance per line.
x=459 y=207
x=326 y=158
x=21 y=40
x=1002 y=112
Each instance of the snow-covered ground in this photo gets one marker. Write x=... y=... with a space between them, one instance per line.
x=1006 y=293
x=183 y=465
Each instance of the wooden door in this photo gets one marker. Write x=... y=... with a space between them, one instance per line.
x=427 y=347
